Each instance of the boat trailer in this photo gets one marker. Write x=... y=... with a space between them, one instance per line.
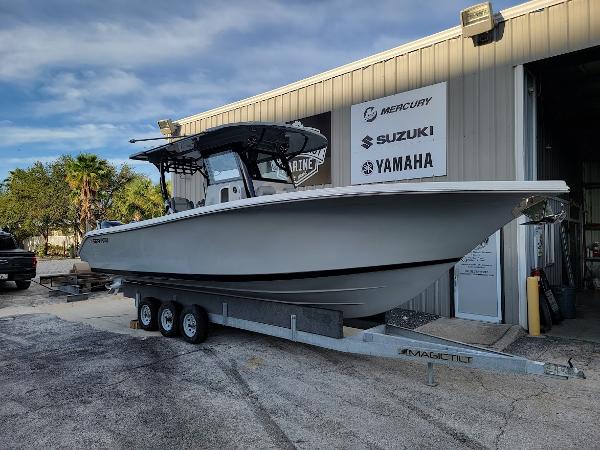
x=402 y=343
x=324 y=328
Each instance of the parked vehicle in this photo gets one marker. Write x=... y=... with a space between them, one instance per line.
x=16 y=264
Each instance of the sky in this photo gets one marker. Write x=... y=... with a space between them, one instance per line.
x=87 y=76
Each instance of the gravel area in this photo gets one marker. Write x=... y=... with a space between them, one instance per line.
x=36 y=294
x=409 y=319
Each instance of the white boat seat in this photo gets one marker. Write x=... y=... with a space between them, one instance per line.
x=265 y=190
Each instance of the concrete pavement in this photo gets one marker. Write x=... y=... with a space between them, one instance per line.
x=75 y=375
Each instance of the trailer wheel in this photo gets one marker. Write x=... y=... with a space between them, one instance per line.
x=194 y=324
x=148 y=314
x=168 y=319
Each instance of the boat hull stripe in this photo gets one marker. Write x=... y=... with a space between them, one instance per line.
x=279 y=276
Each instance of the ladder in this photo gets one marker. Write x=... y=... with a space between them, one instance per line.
x=566 y=254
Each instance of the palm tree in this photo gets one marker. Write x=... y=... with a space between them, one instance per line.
x=86 y=174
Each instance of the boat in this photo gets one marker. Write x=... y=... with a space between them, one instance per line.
x=361 y=250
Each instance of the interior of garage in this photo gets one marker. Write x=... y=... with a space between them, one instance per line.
x=567 y=111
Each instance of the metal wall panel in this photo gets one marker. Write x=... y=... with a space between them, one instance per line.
x=480 y=103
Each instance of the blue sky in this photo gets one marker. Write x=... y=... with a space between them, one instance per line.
x=86 y=76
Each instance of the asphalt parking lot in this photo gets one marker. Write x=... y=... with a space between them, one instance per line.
x=75 y=376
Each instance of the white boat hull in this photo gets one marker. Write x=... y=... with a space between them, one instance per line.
x=362 y=250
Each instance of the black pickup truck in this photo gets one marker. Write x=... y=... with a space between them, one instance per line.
x=16 y=264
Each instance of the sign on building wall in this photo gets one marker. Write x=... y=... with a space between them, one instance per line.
x=478 y=283
x=399 y=137
x=314 y=168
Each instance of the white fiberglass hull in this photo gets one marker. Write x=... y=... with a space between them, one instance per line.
x=361 y=249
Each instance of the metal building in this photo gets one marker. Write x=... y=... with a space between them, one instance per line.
x=494 y=125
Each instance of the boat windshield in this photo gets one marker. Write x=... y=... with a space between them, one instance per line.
x=222 y=167
x=268 y=168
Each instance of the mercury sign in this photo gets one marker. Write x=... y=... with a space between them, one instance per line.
x=399 y=137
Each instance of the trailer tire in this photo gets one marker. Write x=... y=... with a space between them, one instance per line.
x=148 y=314
x=193 y=323
x=168 y=319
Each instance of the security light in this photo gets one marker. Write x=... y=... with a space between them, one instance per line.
x=167 y=127
x=477 y=19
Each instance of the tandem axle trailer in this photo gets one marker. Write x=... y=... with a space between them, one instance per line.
x=177 y=308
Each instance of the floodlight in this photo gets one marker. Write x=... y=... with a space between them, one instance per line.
x=477 y=19
x=167 y=127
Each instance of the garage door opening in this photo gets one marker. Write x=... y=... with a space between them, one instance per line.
x=567 y=110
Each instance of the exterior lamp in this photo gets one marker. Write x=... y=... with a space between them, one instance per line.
x=167 y=127
x=477 y=19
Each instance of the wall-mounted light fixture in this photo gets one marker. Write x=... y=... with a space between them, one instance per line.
x=477 y=19
x=167 y=127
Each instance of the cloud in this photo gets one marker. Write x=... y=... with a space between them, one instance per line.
x=26 y=161
x=89 y=75
x=86 y=136
x=118 y=96
x=128 y=41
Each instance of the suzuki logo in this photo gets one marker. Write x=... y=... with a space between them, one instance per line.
x=367 y=141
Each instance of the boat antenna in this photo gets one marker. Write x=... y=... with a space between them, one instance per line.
x=133 y=141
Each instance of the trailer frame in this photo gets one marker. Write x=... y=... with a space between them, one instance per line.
x=380 y=341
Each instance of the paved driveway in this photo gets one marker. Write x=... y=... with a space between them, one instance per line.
x=74 y=375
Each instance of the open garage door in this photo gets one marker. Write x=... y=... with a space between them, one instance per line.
x=567 y=111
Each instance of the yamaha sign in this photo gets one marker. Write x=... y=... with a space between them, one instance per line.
x=399 y=137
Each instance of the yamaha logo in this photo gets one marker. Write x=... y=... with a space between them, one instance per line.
x=370 y=114
x=367 y=167
x=367 y=141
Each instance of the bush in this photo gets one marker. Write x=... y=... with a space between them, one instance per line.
x=53 y=250
x=39 y=249
x=57 y=250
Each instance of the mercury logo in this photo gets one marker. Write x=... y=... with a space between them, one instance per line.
x=367 y=168
x=370 y=114
x=367 y=141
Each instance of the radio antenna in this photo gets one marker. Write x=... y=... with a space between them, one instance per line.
x=133 y=141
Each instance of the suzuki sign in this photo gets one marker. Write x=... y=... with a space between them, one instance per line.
x=399 y=137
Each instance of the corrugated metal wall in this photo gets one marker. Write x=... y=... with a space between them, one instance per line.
x=480 y=103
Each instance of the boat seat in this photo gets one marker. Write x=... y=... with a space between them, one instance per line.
x=108 y=224
x=265 y=190
x=178 y=204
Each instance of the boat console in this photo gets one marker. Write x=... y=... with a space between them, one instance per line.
x=237 y=161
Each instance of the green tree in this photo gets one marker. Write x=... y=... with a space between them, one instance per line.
x=138 y=199
x=87 y=175
x=116 y=181
x=72 y=194
x=35 y=201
